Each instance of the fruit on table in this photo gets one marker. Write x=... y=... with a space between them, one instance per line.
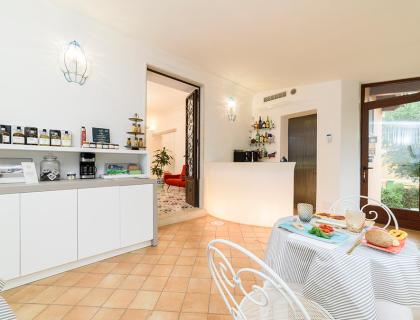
x=319 y=233
x=398 y=234
x=380 y=238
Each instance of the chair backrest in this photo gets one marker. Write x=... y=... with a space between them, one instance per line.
x=255 y=294
x=355 y=203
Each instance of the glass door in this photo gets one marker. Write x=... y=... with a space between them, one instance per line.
x=391 y=151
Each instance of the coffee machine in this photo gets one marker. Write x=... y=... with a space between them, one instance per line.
x=87 y=165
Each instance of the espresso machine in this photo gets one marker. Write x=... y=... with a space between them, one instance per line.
x=87 y=165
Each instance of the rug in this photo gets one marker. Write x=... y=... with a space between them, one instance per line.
x=171 y=201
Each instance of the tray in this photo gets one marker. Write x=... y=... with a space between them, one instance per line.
x=337 y=238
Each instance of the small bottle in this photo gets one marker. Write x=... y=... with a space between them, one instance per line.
x=268 y=123
x=18 y=137
x=66 y=139
x=136 y=143
x=260 y=123
x=5 y=136
x=141 y=143
x=134 y=128
x=257 y=137
x=128 y=142
x=32 y=137
x=44 y=138
x=83 y=136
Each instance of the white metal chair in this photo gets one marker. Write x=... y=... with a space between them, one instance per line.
x=6 y=312
x=353 y=203
x=251 y=294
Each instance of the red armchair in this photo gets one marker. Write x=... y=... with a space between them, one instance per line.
x=177 y=180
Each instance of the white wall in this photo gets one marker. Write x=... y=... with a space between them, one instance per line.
x=169 y=132
x=337 y=106
x=35 y=93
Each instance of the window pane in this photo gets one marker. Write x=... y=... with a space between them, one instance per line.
x=394 y=153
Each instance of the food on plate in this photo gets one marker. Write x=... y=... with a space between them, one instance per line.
x=380 y=238
x=317 y=231
x=330 y=216
x=398 y=234
x=326 y=228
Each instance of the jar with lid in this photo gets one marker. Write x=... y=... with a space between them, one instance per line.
x=50 y=168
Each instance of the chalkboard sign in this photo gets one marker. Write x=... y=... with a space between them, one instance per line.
x=101 y=135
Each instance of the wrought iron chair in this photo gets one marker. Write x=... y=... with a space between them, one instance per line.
x=354 y=203
x=6 y=312
x=256 y=294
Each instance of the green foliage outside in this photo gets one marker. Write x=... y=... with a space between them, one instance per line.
x=402 y=162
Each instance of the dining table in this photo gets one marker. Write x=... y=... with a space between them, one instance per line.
x=348 y=286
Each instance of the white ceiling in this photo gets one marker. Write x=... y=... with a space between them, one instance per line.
x=164 y=99
x=275 y=43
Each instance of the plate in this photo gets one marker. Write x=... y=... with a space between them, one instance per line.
x=391 y=249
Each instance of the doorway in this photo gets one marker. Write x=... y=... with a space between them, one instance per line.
x=302 y=149
x=390 y=142
x=172 y=122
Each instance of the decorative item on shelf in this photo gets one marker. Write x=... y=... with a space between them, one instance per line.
x=135 y=143
x=66 y=140
x=231 y=109
x=44 y=138
x=71 y=176
x=5 y=134
x=31 y=136
x=18 y=137
x=161 y=159
x=55 y=138
x=11 y=170
x=101 y=135
x=50 y=168
x=75 y=64
x=87 y=165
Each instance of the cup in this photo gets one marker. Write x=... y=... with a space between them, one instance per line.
x=305 y=212
x=355 y=221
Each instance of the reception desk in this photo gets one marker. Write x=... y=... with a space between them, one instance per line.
x=257 y=193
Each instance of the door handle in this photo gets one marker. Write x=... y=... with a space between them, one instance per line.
x=364 y=173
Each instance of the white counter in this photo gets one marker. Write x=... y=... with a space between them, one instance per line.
x=257 y=193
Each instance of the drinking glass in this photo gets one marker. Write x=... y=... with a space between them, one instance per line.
x=305 y=212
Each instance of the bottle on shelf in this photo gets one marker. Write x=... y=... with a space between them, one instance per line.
x=83 y=136
x=18 y=137
x=260 y=123
x=257 y=137
x=5 y=136
x=44 y=138
x=31 y=136
x=66 y=139
x=268 y=124
x=128 y=144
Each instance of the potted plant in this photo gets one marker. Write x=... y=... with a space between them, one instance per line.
x=161 y=159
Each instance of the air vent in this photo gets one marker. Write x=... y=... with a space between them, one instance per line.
x=275 y=96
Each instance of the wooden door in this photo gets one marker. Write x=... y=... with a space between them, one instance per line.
x=192 y=148
x=302 y=150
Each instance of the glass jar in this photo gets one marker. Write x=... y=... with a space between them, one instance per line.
x=50 y=168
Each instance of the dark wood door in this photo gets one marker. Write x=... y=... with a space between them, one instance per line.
x=302 y=150
x=192 y=148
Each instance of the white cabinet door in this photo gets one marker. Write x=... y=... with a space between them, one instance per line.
x=48 y=229
x=136 y=207
x=98 y=221
x=9 y=236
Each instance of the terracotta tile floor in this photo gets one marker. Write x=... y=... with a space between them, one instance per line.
x=170 y=281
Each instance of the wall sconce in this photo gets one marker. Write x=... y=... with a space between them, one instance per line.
x=75 y=64
x=231 y=109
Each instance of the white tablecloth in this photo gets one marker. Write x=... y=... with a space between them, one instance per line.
x=346 y=285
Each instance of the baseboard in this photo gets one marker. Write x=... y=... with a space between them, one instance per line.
x=16 y=282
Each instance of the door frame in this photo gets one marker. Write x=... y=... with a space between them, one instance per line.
x=200 y=87
x=406 y=218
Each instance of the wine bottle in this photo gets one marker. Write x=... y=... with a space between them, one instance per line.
x=260 y=123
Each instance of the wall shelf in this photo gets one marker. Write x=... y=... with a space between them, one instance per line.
x=16 y=147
